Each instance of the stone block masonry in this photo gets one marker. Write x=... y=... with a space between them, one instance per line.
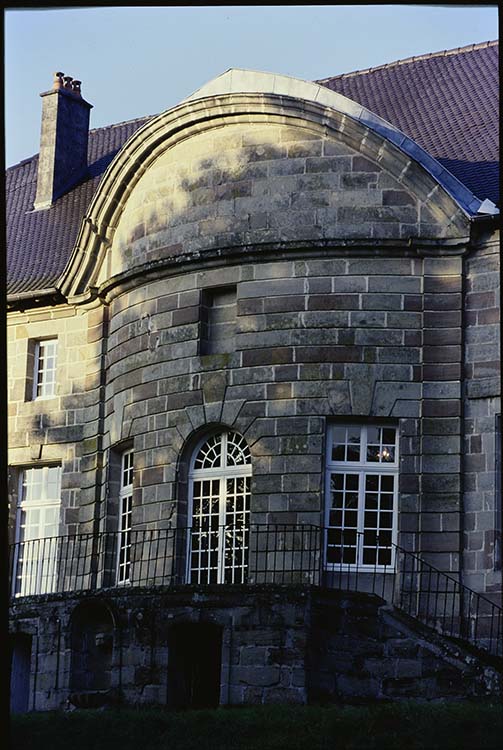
x=304 y=354
x=277 y=644
x=482 y=557
x=294 y=184
x=441 y=447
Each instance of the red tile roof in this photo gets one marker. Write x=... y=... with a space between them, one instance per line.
x=446 y=101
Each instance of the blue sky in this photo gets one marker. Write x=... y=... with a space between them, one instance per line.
x=136 y=61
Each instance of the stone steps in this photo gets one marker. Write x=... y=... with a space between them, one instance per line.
x=364 y=651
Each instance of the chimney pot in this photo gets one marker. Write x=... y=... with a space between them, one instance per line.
x=58 y=81
x=76 y=87
x=68 y=82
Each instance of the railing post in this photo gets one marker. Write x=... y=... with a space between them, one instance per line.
x=95 y=553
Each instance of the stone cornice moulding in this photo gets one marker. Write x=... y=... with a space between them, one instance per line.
x=197 y=115
x=152 y=271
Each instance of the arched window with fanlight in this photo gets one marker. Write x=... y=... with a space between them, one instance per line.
x=220 y=475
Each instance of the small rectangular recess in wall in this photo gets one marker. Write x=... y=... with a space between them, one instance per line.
x=218 y=320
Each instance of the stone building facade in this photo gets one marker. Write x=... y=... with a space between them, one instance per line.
x=253 y=407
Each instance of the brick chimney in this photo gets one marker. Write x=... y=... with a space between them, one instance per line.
x=63 y=140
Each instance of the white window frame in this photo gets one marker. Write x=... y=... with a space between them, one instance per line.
x=47 y=387
x=31 y=581
x=362 y=468
x=123 y=572
x=221 y=474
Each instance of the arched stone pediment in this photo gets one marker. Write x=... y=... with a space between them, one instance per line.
x=254 y=172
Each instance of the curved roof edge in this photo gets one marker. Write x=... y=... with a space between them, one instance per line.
x=239 y=80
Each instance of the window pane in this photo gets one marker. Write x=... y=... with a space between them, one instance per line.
x=371 y=501
x=334 y=555
x=354 y=434
x=372 y=482
x=339 y=434
x=388 y=436
x=386 y=502
x=370 y=520
x=339 y=453
x=352 y=500
x=337 y=481
x=336 y=517
x=388 y=453
x=353 y=453
x=352 y=481
x=369 y=556
x=373 y=435
x=385 y=538
x=350 y=519
x=387 y=483
x=337 y=499
x=349 y=555
x=386 y=520
x=370 y=538
x=384 y=556
x=372 y=453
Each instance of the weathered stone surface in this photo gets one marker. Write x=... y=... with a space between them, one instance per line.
x=279 y=645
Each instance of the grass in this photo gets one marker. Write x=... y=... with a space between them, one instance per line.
x=405 y=726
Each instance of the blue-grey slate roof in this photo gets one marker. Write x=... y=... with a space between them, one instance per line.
x=447 y=102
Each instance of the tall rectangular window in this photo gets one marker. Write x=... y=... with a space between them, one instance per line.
x=44 y=376
x=37 y=531
x=218 y=320
x=362 y=495
x=125 y=513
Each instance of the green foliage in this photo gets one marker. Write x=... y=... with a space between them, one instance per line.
x=391 y=726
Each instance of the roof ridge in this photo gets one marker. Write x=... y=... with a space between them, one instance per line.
x=415 y=58
x=22 y=162
x=119 y=124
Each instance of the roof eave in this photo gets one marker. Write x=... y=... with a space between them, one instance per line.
x=35 y=298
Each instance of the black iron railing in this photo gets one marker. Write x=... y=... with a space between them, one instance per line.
x=255 y=555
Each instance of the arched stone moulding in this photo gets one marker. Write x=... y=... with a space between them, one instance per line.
x=198 y=117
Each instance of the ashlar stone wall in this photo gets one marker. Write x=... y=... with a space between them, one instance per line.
x=51 y=430
x=337 y=316
x=272 y=179
x=319 y=339
x=482 y=411
x=287 y=645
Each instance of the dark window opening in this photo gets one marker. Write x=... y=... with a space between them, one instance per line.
x=194 y=664
x=218 y=320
